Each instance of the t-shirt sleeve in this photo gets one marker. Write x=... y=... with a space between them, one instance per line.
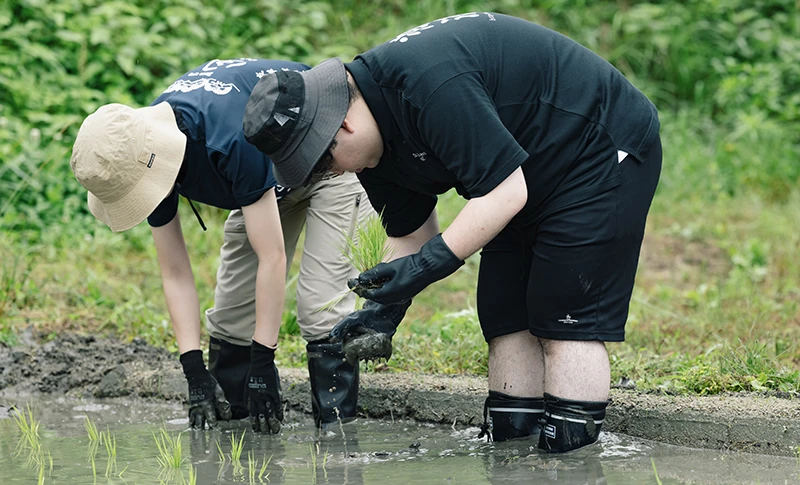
x=460 y=124
x=165 y=211
x=248 y=170
x=403 y=211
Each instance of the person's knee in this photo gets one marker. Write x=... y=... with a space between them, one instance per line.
x=569 y=424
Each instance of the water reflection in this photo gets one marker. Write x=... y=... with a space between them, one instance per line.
x=362 y=452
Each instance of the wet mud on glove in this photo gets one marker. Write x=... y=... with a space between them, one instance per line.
x=206 y=397
x=264 y=390
x=400 y=280
x=367 y=334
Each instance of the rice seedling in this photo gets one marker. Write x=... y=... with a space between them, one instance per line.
x=324 y=462
x=367 y=247
x=192 y=475
x=221 y=453
x=237 y=447
x=29 y=427
x=110 y=442
x=653 y=462
x=251 y=467
x=363 y=248
x=91 y=430
x=170 y=453
x=262 y=473
x=313 y=463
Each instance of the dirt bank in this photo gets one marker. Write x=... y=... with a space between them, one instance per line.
x=90 y=367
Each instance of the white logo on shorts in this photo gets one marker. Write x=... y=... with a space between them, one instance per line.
x=550 y=431
x=568 y=320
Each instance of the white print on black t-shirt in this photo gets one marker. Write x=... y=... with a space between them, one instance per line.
x=419 y=29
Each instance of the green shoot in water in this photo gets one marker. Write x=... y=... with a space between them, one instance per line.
x=29 y=426
x=91 y=430
x=192 y=475
x=237 y=447
x=169 y=449
x=221 y=453
x=110 y=442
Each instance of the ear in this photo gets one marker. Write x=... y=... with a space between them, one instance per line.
x=347 y=126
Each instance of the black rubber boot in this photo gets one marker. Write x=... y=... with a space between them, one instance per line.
x=229 y=364
x=568 y=425
x=507 y=417
x=334 y=383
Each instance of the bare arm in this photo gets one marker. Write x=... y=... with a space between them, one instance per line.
x=410 y=244
x=263 y=225
x=484 y=217
x=178 y=281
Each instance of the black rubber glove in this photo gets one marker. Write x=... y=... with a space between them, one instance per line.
x=367 y=333
x=264 y=390
x=401 y=279
x=206 y=397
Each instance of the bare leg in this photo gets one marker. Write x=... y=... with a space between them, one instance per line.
x=516 y=365
x=577 y=370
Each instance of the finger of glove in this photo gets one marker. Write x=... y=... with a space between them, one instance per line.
x=343 y=327
x=222 y=404
x=262 y=423
x=210 y=414
x=372 y=278
x=274 y=425
x=196 y=419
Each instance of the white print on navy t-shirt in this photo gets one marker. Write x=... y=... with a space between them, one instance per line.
x=209 y=84
x=419 y=29
x=212 y=66
x=263 y=73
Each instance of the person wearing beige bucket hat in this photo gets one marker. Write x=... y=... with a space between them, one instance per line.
x=135 y=163
x=558 y=156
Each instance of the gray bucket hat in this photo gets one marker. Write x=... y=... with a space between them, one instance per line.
x=293 y=117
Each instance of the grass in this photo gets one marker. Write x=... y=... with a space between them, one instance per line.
x=716 y=307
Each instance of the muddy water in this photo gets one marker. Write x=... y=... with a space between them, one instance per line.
x=365 y=452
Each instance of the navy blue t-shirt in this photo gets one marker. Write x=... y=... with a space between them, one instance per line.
x=463 y=101
x=222 y=169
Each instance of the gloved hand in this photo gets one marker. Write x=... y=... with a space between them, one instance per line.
x=400 y=280
x=367 y=333
x=264 y=390
x=206 y=397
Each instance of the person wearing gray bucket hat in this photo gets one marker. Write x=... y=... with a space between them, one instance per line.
x=136 y=163
x=558 y=156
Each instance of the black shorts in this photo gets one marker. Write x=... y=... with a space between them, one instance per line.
x=568 y=274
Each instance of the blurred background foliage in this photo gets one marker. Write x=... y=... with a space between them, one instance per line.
x=733 y=64
x=725 y=75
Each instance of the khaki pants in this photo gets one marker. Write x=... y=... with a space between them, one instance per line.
x=329 y=210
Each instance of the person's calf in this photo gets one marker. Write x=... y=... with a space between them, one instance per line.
x=508 y=417
x=568 y=424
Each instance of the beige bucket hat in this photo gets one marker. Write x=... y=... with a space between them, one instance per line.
x=128 y=159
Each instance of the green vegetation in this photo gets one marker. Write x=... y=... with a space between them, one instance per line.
x=170 y=449
x=716 y=303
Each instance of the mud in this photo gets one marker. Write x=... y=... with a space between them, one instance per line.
x=79 y=366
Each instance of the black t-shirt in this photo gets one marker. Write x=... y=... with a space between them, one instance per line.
x=222 y=169
x=463 y=101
